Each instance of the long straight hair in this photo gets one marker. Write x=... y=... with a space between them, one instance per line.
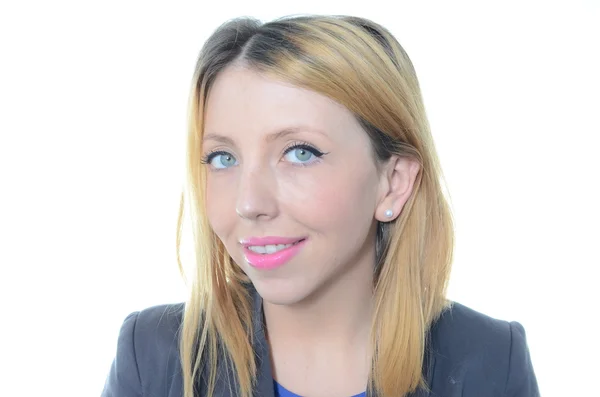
x=360 y=65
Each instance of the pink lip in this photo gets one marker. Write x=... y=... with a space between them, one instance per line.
x=276 y=259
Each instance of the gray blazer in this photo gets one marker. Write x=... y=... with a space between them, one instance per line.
x=468 y=355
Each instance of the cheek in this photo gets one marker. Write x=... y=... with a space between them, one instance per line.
x=333 y=199
x=219 y=199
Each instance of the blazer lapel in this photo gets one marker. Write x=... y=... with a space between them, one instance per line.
x=264 y=382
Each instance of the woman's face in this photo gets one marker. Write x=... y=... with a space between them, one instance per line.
x=293 y=188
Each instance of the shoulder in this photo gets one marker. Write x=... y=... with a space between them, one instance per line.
x=461 y=330
x=480 y=355
x=147 y=354
x=159 y=324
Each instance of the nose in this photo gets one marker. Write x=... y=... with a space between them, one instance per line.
x=257 y=191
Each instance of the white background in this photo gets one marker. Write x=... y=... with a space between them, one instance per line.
x=92 y=124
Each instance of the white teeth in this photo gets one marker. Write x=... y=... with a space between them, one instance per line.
x=271 y=248
x=259 y=249
x=268 y=249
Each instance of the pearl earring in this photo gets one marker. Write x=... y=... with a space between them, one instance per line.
x=389 y=213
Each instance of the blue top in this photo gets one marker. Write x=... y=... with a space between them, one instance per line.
x=281 y=391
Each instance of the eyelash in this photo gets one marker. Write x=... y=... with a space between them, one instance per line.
x=303 y=145
x=210 y=155
x=292 y=146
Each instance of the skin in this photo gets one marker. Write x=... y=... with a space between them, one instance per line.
x=318 y=305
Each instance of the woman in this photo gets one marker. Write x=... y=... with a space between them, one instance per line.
x=323 y=238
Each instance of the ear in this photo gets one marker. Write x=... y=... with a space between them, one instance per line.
x=398 y=177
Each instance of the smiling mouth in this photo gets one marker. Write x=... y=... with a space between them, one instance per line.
x=271 y=256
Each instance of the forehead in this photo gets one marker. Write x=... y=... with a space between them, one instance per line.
x=243 y=99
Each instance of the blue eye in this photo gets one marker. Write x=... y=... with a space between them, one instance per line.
x=302 y=154
x=220 y=160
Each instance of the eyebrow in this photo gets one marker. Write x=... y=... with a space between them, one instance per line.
x=269 y=138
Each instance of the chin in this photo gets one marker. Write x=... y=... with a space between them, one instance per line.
x=278 y=292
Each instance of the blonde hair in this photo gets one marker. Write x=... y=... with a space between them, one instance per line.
x=359 y=64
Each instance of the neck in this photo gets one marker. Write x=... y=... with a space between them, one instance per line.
x=325 y=338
